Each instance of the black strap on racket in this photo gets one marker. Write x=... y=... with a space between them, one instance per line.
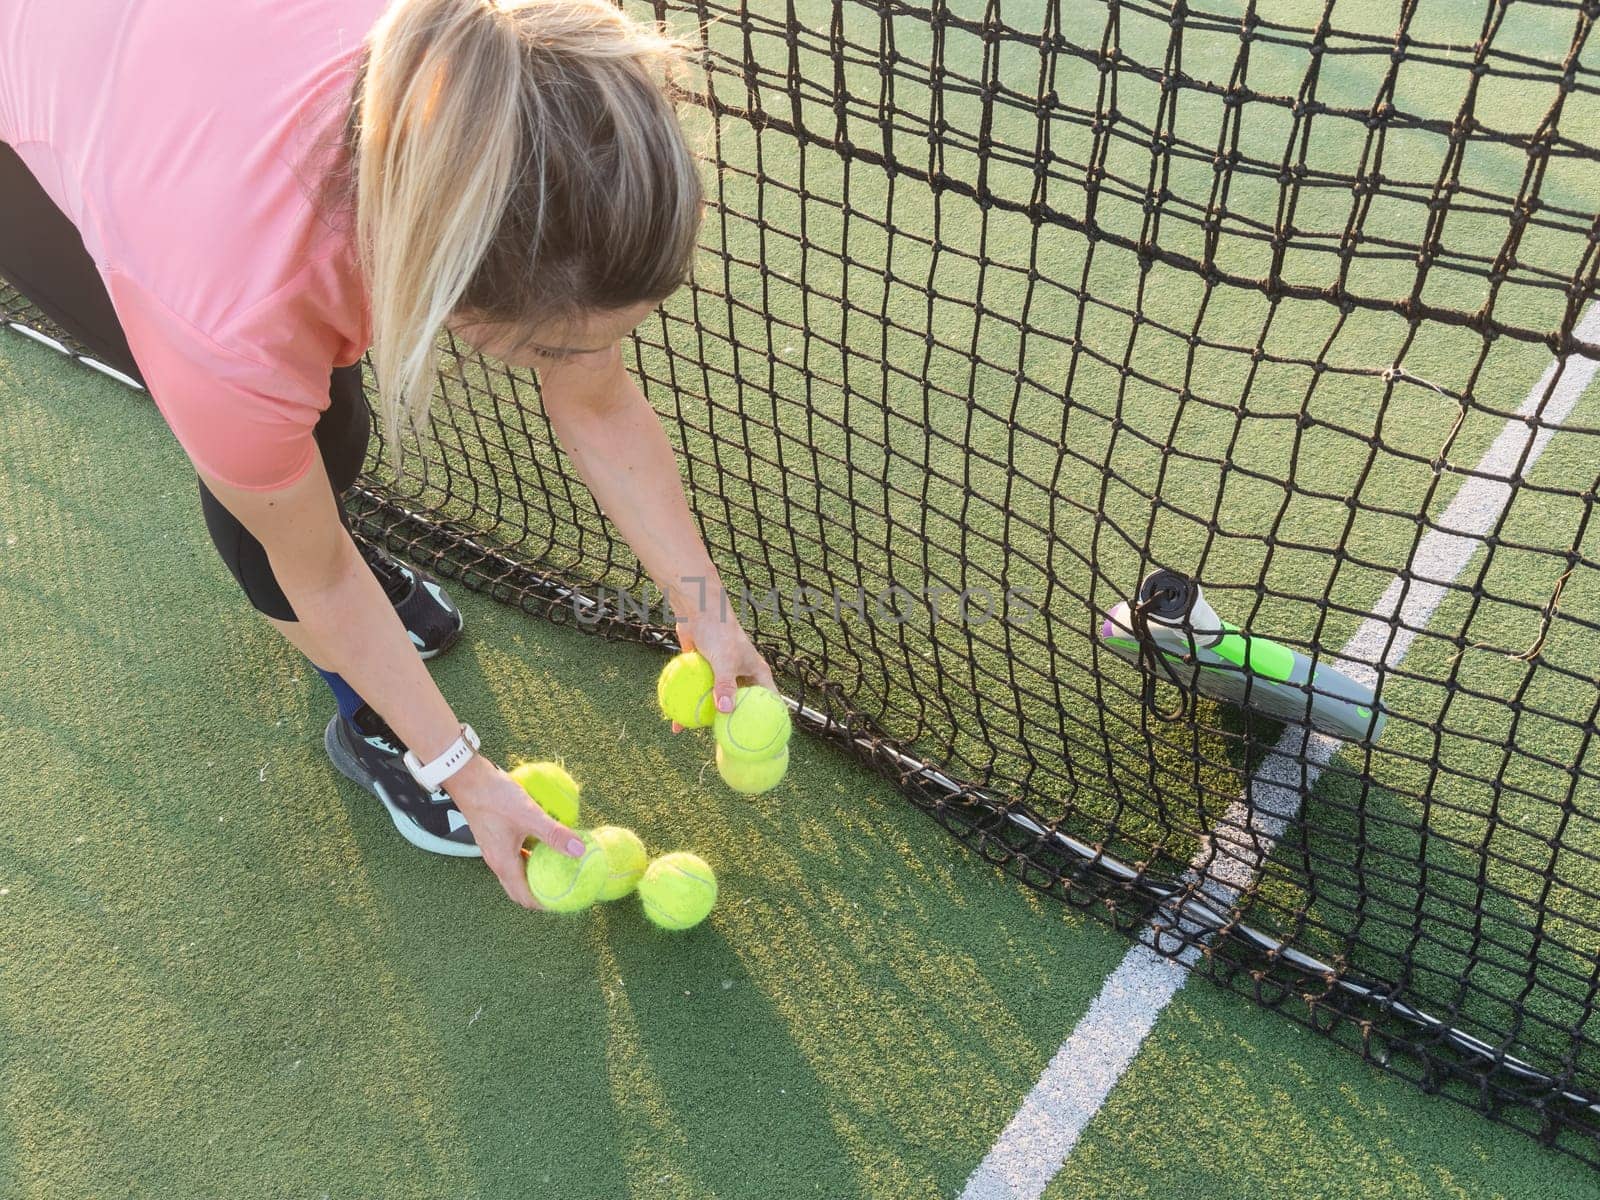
x=1169 y=598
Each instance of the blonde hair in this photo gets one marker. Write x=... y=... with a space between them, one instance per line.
x=518 y=160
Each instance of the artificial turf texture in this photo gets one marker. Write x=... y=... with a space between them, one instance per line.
x=225 y=974
x=879 y=379
x=240 y=981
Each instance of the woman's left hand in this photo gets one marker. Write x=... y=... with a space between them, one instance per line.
x=733 y=657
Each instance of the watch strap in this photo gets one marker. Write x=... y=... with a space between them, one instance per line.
x=432 y=775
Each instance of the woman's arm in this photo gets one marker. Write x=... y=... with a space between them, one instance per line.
x=347 y=625
x=614 y=438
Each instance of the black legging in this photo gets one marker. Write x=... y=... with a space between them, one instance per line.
x=43 y=256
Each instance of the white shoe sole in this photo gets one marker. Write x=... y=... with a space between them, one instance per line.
x=403 y=824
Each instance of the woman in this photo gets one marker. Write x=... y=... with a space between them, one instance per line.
x=234 y=202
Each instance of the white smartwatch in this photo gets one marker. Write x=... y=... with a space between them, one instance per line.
x=447 y=764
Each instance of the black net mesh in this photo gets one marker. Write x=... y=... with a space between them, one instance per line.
x=996 y=317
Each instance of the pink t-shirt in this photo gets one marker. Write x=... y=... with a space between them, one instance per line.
x=183 y=138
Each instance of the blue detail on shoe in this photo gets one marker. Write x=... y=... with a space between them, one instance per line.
x=433 y=622
x=366 y=751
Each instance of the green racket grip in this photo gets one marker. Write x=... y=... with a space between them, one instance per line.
x=1257 y=654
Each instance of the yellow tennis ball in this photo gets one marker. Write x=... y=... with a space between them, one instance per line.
x=758 y=726
x=551 y=788
x=564 y=884
x=752 y=776
x=684 y=691
x=626 y=860
x=678 y=890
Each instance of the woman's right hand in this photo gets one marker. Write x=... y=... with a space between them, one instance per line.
x=502 y=816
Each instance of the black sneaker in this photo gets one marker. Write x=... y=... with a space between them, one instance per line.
x=367 y=751
x=433 y=622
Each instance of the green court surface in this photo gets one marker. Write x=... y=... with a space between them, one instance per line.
x=880 y=382
x=224 y=974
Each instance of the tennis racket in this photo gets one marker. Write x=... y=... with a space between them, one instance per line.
x=1170 y=628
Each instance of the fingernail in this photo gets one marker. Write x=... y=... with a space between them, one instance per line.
x=576 y=846
x=526 y=853
x=725 y=704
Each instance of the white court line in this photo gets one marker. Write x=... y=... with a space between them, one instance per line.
x=1034 y=1146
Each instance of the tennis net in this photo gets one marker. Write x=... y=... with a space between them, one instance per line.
x=993 y=320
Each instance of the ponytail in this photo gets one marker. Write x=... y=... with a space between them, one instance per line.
x=518 y=159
